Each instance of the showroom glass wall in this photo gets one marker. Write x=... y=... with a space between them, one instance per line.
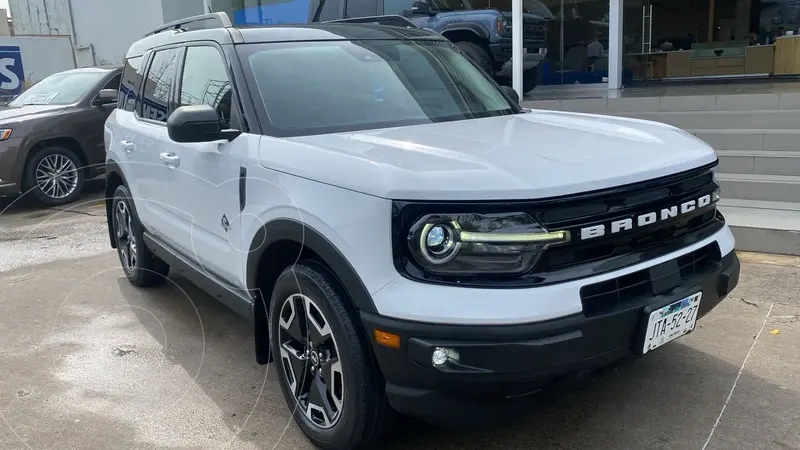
x=673 y=39
x=577 y=30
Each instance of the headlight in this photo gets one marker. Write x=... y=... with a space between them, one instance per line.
x=5 y=133
x=503 y=27
x=473 y=244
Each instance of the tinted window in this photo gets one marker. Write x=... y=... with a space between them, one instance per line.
x=62 y=88
x=131 y=81
x=322 y=10
x=155 y=98
x=113 y=83
x=205 y=82
x=396 y=6
x=362 y=8
x=322 y=87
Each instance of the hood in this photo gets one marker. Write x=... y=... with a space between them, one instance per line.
x=533 y=155
x=13 y=113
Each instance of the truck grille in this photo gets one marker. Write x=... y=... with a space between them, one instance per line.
x=615 y=250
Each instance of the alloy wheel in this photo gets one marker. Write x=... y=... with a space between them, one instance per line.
x=310 y=360
x=56 y=176
x=126 y=243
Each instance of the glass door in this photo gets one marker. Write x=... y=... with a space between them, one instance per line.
x=577 y=37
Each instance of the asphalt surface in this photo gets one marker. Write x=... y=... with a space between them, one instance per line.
x=89 y=361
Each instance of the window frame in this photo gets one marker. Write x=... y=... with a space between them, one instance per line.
x=237 y=117
x=151 y=55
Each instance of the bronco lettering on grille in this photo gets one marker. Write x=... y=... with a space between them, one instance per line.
x=643 y=220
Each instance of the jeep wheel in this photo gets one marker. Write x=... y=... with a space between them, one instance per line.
x=54 y=176
x=530 y=78
x=325 y=371
x=477 y=54
x=141 y=267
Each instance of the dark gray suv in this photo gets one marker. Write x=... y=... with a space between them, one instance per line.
x=51 y=136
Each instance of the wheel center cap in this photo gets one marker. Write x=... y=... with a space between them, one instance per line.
x=314 y=358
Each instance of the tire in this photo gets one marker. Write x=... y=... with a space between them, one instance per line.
x=530 y=78
x=54 y=176
x=477 y=54
x=358 y=413
x=141 y=266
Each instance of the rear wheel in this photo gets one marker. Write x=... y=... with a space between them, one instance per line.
x=477 y=54
x=325 y=370
x=141 y=266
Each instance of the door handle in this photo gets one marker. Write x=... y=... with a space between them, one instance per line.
x=128 y=146
x=170 y=159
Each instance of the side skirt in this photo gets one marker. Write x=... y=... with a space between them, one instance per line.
x=235 y=299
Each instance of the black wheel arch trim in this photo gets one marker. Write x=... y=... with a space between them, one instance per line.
x=293 y=230
x=473 y=27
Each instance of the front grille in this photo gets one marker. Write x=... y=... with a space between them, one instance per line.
x=626 y=202
x=608 y=296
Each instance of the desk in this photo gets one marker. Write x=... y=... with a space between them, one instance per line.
x=787 y=55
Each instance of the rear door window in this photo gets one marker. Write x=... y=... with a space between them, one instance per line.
x=158 y=85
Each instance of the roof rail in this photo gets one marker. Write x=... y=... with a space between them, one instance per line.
x=388 y=20
x=201 y=22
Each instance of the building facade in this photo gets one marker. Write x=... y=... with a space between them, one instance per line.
x=591 y=43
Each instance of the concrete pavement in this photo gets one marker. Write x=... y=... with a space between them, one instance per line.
x=88 y=361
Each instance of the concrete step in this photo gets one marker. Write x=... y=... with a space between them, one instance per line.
x=750 y=139
x=759 y=162
x=723 y=120
x=760 y=226
x=727 y=102
x=772 y=188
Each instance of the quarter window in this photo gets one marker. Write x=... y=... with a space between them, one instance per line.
x=156 y=95
x=131 y=81
x=205 y=82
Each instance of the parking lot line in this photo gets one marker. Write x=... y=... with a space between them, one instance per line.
x=738 y=376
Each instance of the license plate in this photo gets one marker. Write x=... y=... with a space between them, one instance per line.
x=671 y=322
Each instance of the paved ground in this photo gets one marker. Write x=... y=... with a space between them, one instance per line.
x=87 y=361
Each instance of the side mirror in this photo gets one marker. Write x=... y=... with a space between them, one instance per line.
x=197 y=124
x=420 y=8
x=105 y=97
x=511 y=94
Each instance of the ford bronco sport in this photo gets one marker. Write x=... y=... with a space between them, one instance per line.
x=402 y=234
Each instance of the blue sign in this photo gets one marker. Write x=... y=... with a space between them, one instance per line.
x=11 y=73
x=290 y=11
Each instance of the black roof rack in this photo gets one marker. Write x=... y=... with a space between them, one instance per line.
x=202 y=22
x=389 y=20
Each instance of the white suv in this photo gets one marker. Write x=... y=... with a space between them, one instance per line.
x=402 y=234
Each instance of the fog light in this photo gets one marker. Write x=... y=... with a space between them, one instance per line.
x=442 y=355
x=715 y=196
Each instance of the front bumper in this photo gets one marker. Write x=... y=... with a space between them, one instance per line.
x=535 y=51
x=500 y=364
x=7 y=189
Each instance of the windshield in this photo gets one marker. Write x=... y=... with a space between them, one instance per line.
x=59 y=89
x=333 y=86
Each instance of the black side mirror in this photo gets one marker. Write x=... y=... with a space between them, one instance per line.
x=420 y=8
x=197 y=124
x=511 y=94
x=105 y=97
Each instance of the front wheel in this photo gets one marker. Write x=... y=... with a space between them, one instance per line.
x=325 y=371
x=55 y=176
